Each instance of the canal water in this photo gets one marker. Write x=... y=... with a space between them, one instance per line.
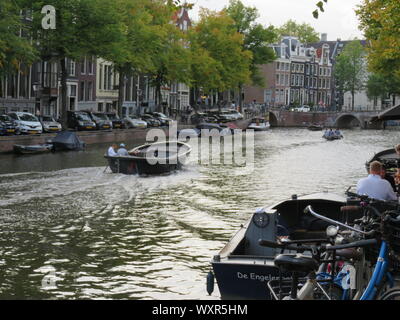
x=71 y=230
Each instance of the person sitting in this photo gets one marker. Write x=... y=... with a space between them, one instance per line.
x=122 y=150
x=374 y=186
x=388 y=177
x=112 y=151
x=338 y=133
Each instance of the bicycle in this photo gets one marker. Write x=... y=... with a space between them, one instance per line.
x=385 y=230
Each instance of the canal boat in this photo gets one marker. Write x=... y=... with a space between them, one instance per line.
x=315 y=127
x=32 y=149
x=387 y=157
x=259 y=124
x=151 y=159
x=67 y=141
x=243 y=267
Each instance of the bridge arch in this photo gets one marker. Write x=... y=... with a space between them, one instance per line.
x=273 y=120
x=347 y=121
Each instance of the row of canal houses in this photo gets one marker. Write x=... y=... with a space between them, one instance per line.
x=303 y=74
x=92 y=85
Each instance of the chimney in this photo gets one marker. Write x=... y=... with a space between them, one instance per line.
x=324 y=37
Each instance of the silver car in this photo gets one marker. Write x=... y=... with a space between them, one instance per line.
x=134 y=122
x=49 y=124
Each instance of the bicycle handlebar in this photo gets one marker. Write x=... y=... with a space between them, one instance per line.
x=355 y=244
x=310 y=210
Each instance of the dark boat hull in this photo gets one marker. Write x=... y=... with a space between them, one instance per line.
x=243 y=267
x=140 y=164
x=388 y=157
x=331 y=138
x=35 y=149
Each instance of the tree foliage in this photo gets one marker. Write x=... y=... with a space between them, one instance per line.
x=219 y=60
x=14 y=49
x=257 y=38
x=303 y=31
x=380 y=21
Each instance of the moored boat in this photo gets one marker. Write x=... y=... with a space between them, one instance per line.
x=32 y=149
x=243 y=267
x=67 y=140
x=259 y=124
x=151 y=159
x=387 y=157
x=315 y=127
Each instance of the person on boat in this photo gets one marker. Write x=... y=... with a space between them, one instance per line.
x=112 y=151
x=374 y=186
x=388 y=177
x=338 y=133
x=326 y=133
x=122 y=150
x=397 y=175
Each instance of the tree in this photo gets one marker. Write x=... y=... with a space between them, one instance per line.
x=83 y=28
x=220 y=61
x=380 y=21
x=14 y=49
x=320 y=8
x=350 y=69
x=257 y=39
x=304 y=32
x=380 y=86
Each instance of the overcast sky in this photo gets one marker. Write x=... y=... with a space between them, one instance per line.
x=338 y=20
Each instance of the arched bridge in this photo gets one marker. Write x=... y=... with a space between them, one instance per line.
x=347 y=119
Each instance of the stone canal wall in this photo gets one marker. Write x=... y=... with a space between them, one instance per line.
x=89 y=137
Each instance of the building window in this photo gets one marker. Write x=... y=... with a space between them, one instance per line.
x=82 y=91
x=72 y=91
x=100 y=106
x=90 y=91
x=71 y=67
x=83 y=66
x=90 y=66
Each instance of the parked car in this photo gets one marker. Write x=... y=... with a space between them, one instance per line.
x=79 y=120
x=134 y=122
x=7 y=125
x=49 y=124
x=26 y=122
x=100 y=119
x=200 y=117
x=222 y=116
x=234 y=113
x=303 y=109
x=117 y=122
x=151 y=121
x=165 y=121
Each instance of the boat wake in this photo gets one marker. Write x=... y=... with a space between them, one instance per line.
x=85 y=189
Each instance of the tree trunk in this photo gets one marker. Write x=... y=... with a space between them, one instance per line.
x=240 y=98
x=64 y=89
x=352 y=100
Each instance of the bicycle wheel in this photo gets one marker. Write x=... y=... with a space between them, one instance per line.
x=393 y=294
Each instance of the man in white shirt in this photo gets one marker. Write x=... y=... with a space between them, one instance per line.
x=112 y=150
x=374 y=186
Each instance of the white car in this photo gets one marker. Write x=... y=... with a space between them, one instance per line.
x=26 y=122
x=134 y=122
x=49 y=124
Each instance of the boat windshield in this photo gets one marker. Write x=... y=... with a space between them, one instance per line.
x=83 y=117
x=28 y=117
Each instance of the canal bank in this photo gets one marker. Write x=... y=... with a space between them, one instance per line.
x=95 y=137
x=89 y=137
